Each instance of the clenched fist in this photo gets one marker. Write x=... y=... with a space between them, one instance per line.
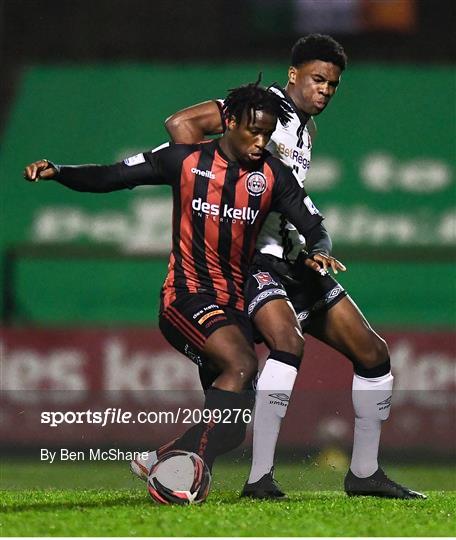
x=39 y=170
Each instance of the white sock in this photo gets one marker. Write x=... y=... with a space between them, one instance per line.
x=372 y=404
x=272 y=396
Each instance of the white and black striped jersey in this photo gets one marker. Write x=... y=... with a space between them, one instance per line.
x=292 y=145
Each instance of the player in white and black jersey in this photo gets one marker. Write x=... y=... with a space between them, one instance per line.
x=282 y=268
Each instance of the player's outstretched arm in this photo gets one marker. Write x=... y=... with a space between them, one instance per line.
x=90 y=178
x=149 y=168
x=39 y=170
x=193 y=124
x=86 y=178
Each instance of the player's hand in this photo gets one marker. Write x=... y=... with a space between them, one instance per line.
x=39 y=170
x=320 y=262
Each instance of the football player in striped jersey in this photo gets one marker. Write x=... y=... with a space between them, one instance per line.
x=223 y=190
x=323 y=308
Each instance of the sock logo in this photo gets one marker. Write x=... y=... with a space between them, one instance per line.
x=279 y=399
x=385 y=404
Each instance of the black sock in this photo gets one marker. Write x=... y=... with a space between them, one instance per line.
x=225 y=430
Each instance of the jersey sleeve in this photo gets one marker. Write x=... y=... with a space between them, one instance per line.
x=292 y=200
x=157 y=167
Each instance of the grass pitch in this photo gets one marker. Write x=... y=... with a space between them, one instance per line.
x=90 y=499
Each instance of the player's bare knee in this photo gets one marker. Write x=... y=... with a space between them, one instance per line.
x=292 y=343
x=376 y=355
x=382 y=351
x=287 y=338
x=379 y=353
x=243 y=370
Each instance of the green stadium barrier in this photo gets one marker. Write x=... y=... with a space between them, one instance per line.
x=382 y=174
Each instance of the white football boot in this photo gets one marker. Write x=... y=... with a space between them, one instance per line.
x=141 y=467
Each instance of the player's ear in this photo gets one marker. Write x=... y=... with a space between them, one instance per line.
x=292 y=74
x=231 y=123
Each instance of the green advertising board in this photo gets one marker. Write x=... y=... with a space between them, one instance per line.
x=382 y=173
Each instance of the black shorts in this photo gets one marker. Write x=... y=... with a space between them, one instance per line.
x=309 y=292
x=188 y=322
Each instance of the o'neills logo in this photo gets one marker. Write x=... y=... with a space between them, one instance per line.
x=224 y=213
x=206 y=174
x=256 y=183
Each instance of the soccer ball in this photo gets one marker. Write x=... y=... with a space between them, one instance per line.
x=179 y=477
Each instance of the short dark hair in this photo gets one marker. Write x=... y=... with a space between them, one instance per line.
x=253 y=97
x=318 y=47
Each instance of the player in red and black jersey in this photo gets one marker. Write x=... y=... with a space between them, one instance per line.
x=222 y=192
x=323 y=308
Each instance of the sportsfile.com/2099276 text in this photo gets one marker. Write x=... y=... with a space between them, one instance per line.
x=118 y=416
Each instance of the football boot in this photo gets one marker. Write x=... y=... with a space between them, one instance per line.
x=265 y=488
x=378 y=485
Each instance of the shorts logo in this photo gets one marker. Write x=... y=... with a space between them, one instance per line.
x=211 y=314
x=264 y=278
x=256 y=184
x=303 y=315
x=327 y=299
x=215 y=320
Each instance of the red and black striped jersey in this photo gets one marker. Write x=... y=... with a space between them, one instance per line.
x=218 y=210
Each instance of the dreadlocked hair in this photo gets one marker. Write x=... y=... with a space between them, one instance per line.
x=252 y=97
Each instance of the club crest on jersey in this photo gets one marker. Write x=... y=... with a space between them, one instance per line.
x=256 y=183
x=264 y=278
